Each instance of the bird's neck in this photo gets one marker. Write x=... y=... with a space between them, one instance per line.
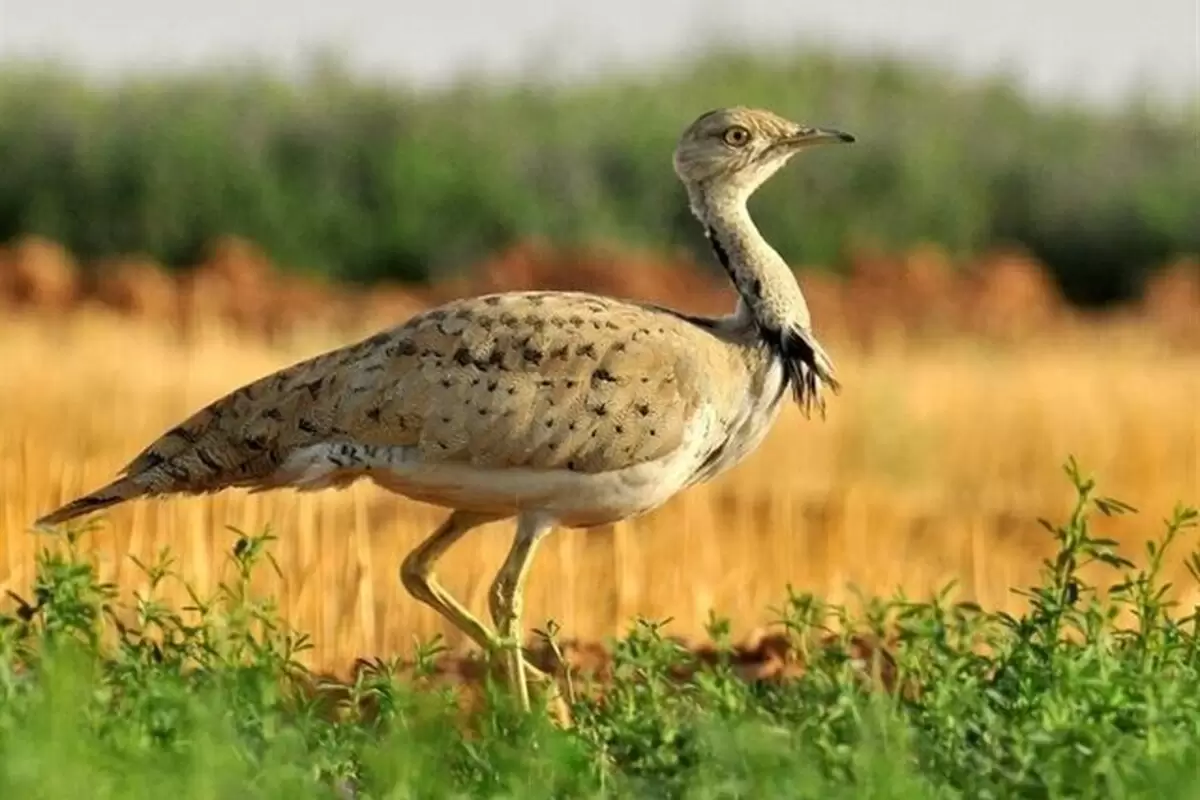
x=769 y=296
x=770 y=303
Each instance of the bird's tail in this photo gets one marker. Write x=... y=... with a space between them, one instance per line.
x=120 y=490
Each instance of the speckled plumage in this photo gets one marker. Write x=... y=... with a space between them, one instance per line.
x=529 y=382
x=559 y=408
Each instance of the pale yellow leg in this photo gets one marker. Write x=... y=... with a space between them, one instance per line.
x=416 y=573
x=506 y=597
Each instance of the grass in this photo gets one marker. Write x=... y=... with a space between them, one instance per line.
x=932 y=466
x=108 y=699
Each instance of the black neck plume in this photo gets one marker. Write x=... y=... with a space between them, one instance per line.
x=805 y=365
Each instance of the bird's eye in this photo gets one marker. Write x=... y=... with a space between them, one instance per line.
x=736 y=136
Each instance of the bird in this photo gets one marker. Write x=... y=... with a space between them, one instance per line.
x=553 y=409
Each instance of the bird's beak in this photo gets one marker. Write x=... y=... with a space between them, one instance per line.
x=814 y=136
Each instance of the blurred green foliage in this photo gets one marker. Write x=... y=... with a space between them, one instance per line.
x=363 y=180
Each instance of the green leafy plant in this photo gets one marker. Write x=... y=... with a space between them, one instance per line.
x=1092 y=691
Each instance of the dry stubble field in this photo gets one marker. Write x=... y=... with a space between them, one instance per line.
x=933 y=465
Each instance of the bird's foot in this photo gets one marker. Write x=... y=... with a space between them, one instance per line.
x=519 y=674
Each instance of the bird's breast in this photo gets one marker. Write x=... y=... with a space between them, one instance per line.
x=751 y=415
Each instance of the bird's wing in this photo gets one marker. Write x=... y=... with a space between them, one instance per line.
x=533 y=380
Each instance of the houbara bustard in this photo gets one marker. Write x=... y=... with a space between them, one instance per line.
x=556 y=408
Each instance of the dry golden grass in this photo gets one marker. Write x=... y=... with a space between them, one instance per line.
x=933 y=465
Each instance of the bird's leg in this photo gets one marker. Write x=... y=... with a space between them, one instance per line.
x=416 y=573
x=505 y=599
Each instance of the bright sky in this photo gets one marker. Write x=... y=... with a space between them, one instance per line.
x=1098 y=48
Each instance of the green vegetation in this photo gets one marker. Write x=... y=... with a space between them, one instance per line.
x=364 y=181
x=100 y=699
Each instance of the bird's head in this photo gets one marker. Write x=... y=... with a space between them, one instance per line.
x=736 y=149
